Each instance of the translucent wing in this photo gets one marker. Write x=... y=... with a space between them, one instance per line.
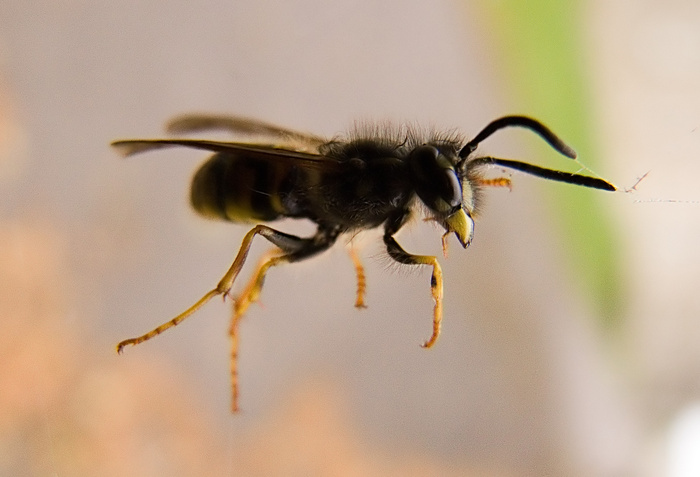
x=129 y=147
x=192 y=123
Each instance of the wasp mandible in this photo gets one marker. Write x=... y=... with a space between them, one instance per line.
x=375 y=177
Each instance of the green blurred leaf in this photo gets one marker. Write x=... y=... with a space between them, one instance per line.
x=541 y=44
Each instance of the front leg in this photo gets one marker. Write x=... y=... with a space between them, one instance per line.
x=400 y=255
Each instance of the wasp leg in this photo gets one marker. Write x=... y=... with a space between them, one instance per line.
x=249 y=296
x=495 y=182
x=294 y=249
x=361 y=279
x=401 y=256
x=284 y=241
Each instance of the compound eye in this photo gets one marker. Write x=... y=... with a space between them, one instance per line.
x=452 y=193
x=435 y=180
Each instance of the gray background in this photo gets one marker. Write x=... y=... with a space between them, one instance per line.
x=96 y=249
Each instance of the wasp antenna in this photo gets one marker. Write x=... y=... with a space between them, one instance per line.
x=551 y=174
x=520 y=121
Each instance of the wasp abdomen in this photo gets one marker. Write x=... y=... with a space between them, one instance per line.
x=241 y=189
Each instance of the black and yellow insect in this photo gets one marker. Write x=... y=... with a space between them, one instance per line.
x=376 y=177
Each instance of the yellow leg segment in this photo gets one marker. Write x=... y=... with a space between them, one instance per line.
x=401 y=256
x=222 y=288
x=495 y=182
x=436 y=290
x=361 y=279
x=250 y=295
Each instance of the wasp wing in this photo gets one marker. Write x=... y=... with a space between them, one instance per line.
x=193 y=123
x=130 y=147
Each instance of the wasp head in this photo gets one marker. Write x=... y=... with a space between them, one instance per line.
x=439 y=186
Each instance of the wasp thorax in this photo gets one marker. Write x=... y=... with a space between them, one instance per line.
x=435 y=180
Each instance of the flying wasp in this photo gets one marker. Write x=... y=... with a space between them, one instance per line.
x=375 y=177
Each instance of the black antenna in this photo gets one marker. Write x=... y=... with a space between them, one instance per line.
x=523 y=122
x=546 y=134
x=551 y=174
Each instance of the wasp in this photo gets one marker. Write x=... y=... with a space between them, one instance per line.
x=374 y=177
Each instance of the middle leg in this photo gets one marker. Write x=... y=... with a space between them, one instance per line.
x=361 y=278
x=401 y=256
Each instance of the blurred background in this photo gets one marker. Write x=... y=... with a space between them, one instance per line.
x=571 y=333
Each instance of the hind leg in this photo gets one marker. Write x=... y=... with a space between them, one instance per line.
x=294 y=249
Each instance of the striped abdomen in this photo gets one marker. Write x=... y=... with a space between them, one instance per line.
x=241 y=189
